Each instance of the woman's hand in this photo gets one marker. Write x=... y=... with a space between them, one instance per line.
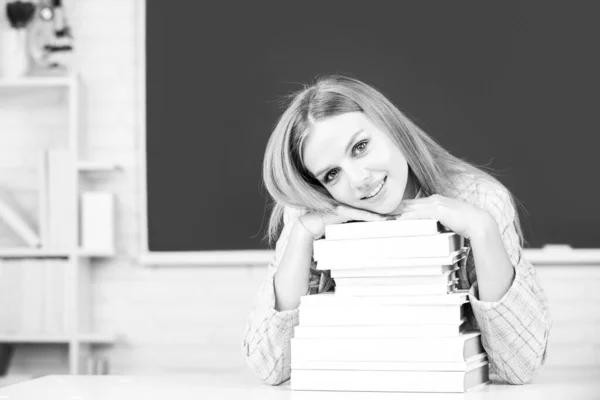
x=315 y=224
x=463 y=218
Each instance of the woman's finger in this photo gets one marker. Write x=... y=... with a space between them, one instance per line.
x=359 y=215
x=415 y=214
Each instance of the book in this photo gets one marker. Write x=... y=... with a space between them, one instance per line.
x=381 y=229
x=400 y=271
x=329 y=299
x=440 y=279
x=61 y=200
x=391 y=381
x=31 y=315
x=440 y=245
x=381 y=315
x=18 y=224
x=379 y=331
x=391 y=366
x=97 y=221
x=367 y=262
x=396 y=290
x=55 y=296
x=42 y=189
x=443 y=349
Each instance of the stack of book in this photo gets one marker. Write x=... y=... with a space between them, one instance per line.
x=396 y=322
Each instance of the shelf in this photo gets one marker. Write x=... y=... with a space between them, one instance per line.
x=97 y=338
x=95 y=253
x=26 y=252
x=37 y=82
x=91 y=338
x=96 y=166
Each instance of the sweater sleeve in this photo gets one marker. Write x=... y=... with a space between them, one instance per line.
x=266 y=343
x=514 y=329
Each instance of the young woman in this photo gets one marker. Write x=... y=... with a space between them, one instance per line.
x=342 y=151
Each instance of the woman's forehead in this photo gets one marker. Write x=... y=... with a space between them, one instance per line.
x=329 y=138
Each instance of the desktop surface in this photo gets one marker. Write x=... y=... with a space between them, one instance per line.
x=550 y=384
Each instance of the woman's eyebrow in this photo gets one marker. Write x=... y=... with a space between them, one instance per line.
x=348 y=145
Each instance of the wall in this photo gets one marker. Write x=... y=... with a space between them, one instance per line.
x=180 y=319
x=172 y=319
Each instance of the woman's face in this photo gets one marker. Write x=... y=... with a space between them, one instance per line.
x=357 y=163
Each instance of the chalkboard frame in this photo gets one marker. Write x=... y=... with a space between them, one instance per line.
x=548 y=255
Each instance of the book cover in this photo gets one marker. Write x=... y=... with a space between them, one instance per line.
x=380 y=229
x=366 y=261
x=440 y=245
x=391 y=381
x=443 y=349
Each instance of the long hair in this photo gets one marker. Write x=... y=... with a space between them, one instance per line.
x=290 y=184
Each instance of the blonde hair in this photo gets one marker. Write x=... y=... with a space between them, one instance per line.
x=290 y=184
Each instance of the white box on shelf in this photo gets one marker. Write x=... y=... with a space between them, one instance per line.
x=97 y=221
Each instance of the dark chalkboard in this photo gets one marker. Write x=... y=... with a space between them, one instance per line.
x=514 y=85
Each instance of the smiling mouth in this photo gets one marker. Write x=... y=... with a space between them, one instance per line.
x=375 y=191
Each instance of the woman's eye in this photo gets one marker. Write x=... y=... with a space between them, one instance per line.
x=360 y=146
x=330 y=175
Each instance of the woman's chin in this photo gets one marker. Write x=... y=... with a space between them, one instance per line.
x=385 y=209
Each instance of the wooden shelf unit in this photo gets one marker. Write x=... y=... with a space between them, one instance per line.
x=77 y=337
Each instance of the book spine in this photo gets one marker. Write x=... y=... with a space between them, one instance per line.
x=388 y=366
x=61 y=223
x=364 y=261
x=391 y=271
x=408 y=290
x=397 y=349
x=387 y=315
x=440 y=279
x=331 y=300
x=364 y=230
x=379 y=381
x=441 y=245
x=373 y=331
x=44 y=230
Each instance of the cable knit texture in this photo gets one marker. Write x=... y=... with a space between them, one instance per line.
x=514 y=329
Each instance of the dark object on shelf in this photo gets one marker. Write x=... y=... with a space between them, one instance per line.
x=6 y=352
x=19 y=13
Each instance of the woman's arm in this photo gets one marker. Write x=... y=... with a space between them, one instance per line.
x=266 y=343
x=271 y=324
x=508 y=303
x=291 y=278
x=495 y=272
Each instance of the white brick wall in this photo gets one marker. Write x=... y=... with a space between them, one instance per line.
x=575 y=306
x=180 y=319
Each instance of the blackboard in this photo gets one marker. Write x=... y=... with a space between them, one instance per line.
x=511 y=85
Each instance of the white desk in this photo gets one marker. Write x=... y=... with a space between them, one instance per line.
x=550 y=384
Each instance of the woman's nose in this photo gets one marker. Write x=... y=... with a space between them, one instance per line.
x=359 y=177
